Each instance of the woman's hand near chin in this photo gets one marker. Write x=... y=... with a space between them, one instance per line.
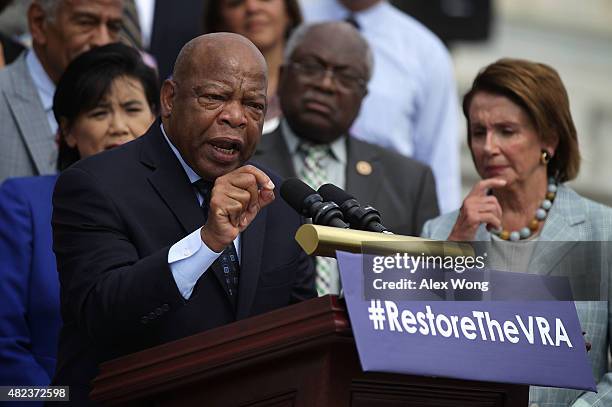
x=478 y=207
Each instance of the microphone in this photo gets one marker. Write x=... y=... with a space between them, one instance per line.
x=307 y=202
x=359 y=217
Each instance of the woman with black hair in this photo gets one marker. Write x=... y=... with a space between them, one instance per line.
x=106 y=97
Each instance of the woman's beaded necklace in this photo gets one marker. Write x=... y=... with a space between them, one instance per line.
x=534 y=224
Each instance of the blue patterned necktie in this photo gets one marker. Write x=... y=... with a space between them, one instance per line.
x=228 y=260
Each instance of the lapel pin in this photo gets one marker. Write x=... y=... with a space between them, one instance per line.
x=364 y=167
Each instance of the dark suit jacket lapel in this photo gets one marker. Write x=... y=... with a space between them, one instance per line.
x=173 y=186
x=169 y=180
x=252 y=241
x=274 y=148
x=363 y=185
x=274 y=152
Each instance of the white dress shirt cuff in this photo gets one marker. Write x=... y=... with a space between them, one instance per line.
x=188 y=259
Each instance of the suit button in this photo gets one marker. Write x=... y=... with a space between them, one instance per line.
x=158 y=311
x=165 y=307
x=144 y=320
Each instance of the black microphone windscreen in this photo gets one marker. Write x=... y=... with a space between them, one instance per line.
x=294 y=192
x=331 y=192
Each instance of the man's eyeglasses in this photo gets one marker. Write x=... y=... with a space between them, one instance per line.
x=341 y=77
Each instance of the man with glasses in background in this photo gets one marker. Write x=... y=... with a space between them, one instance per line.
x=322 y=84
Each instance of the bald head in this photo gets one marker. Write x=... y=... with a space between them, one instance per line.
x=214 y=106
x=320 y=106
x=217 y=48
x=344 y=35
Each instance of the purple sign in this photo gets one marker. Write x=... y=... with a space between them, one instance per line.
x=536 y=342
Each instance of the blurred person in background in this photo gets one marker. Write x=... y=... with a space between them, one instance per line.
x=9 y=48
x=412 y=105
x=106 y=97
x=525 y=147
x=61 y=30
x=165 y=27
x=268 y=24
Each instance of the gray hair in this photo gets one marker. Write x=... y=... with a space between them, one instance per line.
x=49 y=7
x=298 y=34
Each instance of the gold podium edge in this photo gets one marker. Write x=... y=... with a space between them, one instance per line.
x=323 y=241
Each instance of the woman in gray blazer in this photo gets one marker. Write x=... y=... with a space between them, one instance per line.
x=524 y=146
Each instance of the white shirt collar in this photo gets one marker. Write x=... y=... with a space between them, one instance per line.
x=146 y=15
x=363 y=17
x=193 y=177
x=44 y=84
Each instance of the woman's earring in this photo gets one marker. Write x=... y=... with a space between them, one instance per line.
x=545 y=157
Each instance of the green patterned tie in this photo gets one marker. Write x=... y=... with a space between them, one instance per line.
x=314 y=174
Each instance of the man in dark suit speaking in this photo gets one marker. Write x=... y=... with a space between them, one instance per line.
x=173 y=234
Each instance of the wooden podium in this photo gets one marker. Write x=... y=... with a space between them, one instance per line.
x=302 y=355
